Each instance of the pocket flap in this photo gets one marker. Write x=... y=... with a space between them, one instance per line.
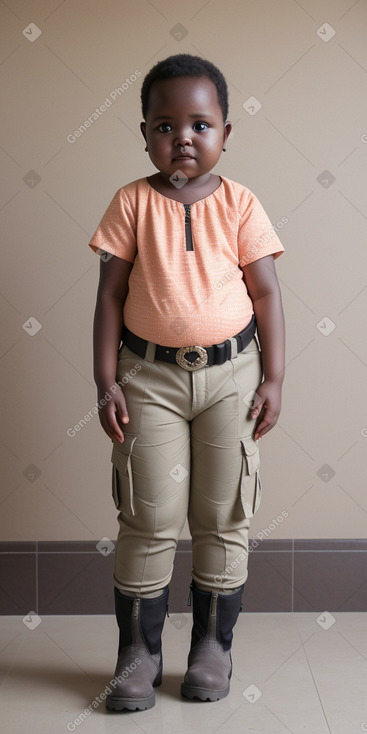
x=250 y=479
x=122 y=479
x=121 y=453
x=251 y=451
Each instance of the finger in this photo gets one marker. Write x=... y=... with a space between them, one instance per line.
x=112 y=428
x=121 y=412
x=256 y=410
x=121 y=419
x=264 y=426
x=261 y=430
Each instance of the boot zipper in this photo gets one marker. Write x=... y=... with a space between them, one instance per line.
x=135 y=626
x=188 y=231
x=213 y=604
x=212 y=621
x=136 y=608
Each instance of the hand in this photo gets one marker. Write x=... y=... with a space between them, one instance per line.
x=113 y=413
x=267 y=407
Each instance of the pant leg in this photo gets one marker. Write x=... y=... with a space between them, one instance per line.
x=151 y=472
x=225 y=481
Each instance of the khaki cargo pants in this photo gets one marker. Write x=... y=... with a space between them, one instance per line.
x=188 y=452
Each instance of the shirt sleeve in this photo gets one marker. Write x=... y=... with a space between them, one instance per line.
x=257 y=236
x=116 y=232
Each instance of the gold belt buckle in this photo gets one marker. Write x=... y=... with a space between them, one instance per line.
x=199 y=362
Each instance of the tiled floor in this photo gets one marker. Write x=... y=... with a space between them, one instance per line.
x=310 y=673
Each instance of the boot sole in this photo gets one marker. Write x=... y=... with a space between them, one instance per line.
x=118 y=703
x=113 y=703
x=203 y=694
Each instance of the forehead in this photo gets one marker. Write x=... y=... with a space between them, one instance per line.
x=184 y=91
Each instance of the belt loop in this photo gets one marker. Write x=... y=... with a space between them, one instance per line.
x=234 y=347
x=150 y=352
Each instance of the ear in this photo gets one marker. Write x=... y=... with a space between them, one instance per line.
x=143 y=128
x=227 y=130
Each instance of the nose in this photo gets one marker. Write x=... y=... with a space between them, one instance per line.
x=183 y=139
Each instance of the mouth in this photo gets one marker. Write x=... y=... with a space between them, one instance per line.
x=183 y=157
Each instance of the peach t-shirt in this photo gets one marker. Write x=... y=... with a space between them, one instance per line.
x=186 y=285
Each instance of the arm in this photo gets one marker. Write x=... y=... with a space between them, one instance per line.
x=108 y=321
x=263 y=288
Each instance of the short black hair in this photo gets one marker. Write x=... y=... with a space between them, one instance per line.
x=185 y=65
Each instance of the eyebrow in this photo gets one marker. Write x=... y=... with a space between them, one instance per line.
x=168 y=117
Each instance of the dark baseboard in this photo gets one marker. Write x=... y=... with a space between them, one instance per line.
x=284 y=576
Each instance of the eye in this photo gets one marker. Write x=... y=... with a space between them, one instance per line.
x=163 y=127
x=199 y=127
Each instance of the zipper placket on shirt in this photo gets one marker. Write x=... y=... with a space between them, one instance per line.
x=188 y=231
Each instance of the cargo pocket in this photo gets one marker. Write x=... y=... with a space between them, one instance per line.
x=250 y=477
x=122 y=477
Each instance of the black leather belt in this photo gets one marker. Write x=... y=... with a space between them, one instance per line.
x=193 y=357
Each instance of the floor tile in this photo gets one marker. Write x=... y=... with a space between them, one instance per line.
x=308 y=672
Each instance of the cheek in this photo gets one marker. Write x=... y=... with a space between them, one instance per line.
x=159 y=145
x=212 y=142
x=212 y=148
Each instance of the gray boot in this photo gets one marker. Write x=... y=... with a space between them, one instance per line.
x=139 y=665
x=210 y=660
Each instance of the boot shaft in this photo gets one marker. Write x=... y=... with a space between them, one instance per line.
x=215 y=615
x=141 y=620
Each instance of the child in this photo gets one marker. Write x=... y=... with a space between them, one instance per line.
x=187 y=265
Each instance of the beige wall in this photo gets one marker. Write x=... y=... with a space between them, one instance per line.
x=313 y=118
